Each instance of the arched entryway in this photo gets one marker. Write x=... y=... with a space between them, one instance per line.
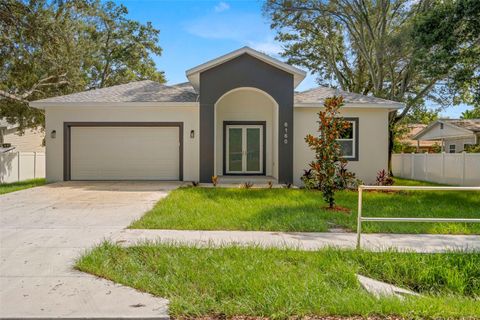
x=246 y=132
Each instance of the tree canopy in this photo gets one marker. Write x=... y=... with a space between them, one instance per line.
x=395 y=49
x=50 y=48
x=471 y=114
x=401 y=50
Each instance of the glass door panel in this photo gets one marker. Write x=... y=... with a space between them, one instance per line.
x=235 y=150
x=244 y=149
x=253 y=156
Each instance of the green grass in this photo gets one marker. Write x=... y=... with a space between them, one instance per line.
x=281 y=283
x=302 y=210
x=15 y=186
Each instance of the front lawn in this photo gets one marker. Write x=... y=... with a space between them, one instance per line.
x=302 y=210
x=283 y=283
x=16 y=186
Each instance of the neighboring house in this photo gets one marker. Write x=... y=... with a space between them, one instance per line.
x=453 y=135
x=237 y=115
x=417 y=145
x=11 y=139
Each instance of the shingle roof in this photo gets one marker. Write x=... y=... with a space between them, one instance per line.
x=469 y=124
x=151 y=91
x=318 y=95
x=138 y=91
x=413 y=130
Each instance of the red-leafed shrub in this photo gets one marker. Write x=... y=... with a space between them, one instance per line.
x=383 y=178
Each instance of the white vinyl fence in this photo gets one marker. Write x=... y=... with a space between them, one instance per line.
x=450 y=168
x=18 y=166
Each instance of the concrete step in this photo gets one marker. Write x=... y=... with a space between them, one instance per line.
x=244 y=179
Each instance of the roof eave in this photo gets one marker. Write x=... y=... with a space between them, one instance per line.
x=447 y=137
x=389 y=106
x=46 y=104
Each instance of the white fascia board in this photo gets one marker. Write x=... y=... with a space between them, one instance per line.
x=447 y=137
x=193 y=74
x=43 y=105
x=392 y=107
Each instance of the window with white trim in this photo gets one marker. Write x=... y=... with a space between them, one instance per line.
x=347 y=141
x=452 y=148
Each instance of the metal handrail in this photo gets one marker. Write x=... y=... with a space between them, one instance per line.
x=360 y=218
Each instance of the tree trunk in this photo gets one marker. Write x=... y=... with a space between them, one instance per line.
x=331 y=203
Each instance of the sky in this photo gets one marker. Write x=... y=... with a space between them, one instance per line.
x=195 y=31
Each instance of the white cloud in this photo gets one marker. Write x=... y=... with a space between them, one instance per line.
x=230 y=26
x=269 y=46
x=245 y=28
x=221 y=6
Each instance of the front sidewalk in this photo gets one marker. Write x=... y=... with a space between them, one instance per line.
x=426 y=243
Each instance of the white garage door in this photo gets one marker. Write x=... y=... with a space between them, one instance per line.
x=124 y=153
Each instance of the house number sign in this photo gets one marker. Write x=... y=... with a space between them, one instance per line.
x=285 y=135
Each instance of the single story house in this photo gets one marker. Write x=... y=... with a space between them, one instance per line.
x=12 y=140
x=238 y=115
x=417 y=145
x=454 y=135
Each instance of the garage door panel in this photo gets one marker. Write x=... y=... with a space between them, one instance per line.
x=125 y=153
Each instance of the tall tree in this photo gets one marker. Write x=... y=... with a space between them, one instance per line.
x=122 y=48
x=394 y=49
x=471 y=114
x=57 y=47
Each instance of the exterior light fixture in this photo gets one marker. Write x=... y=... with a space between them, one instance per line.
x=192 y=134
x=53 y=134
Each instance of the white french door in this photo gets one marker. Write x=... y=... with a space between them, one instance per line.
x=244 y=149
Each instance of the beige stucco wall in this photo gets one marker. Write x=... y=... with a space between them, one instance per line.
x=254 y=106
x=30 y=141
x=56 y=116
x=373 y=141
x=247 y=105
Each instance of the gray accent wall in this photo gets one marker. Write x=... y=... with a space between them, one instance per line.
x=246 y=71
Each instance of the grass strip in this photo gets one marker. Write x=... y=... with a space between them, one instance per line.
x=277 y=283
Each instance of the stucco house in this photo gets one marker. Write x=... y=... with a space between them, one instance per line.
x=454 y=135
x=238 y=115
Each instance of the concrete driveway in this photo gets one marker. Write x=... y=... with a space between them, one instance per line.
x=44 y=229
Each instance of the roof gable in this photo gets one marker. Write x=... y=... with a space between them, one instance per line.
x=193 y=74
x=446 y=128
